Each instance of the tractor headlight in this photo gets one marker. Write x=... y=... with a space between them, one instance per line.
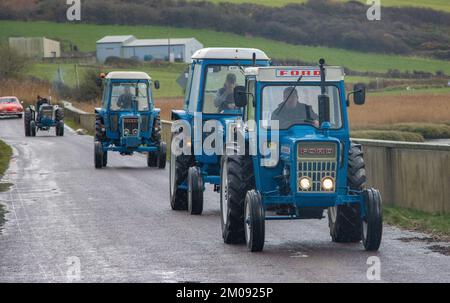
x=135 y=132
x=328 y=184
x=126 y=132
x=305 y=183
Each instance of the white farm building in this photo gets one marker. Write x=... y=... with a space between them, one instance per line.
x=128 y=47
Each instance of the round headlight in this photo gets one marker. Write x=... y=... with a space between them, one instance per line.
x=305 y=183
x=328 y=184
x=126 y=132
x=135 y=132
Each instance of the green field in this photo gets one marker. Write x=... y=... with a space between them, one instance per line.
x=85 y=36
x=440 y=5
x=166 y=74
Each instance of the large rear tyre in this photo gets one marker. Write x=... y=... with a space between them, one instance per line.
x=345 y=220
x=237 y=179
x=162 y=156
x=254 y=215
x=372 y=229
x=59 y=114
x=98 y=155
x=195 y=191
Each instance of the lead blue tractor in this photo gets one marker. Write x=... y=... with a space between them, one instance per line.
x=212 y=76
x=302 y=165
x=128 y=121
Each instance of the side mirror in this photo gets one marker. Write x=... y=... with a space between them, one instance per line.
x=359 y=94
x=157 y=85
x=240 y=96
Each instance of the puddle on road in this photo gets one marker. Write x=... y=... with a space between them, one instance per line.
x=437 y=248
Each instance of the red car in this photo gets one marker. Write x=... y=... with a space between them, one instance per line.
x=10 y=106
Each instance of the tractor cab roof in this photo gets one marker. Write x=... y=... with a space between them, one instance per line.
x=128 y=76
x=292 y=73
x=230 y=54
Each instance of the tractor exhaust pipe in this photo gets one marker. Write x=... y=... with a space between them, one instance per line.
x=324 y=99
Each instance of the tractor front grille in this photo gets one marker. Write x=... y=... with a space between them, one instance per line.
x=316 y=161
x=131 y=127
x=46 y=112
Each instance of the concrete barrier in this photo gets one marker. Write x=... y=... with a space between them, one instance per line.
x=410 y=175
x=85 y=120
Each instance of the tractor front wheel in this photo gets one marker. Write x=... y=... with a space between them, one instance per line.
x=152 y=159
x=60 y=129
x=254 y=216
x=237 y=178
x=98 y=155
x=26 y=122
x=195 y=191
x=33 y=129
x=105 y=158
x=162 y=156
x=372 y=222
x=179 y=166
x=345 y=220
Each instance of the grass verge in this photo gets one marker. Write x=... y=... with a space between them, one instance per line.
x=389 y=135
x=75 y=126
x=438 y=225
x=5 y=156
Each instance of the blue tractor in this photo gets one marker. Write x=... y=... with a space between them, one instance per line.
x=43 y=117
x=128 y=122
x=302 y=165
x=212 y=76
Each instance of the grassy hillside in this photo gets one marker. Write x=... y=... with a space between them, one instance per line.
x=85 y=35
x=167 y=75
x=441 y=5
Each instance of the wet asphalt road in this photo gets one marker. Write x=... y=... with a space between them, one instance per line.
x=118 y=223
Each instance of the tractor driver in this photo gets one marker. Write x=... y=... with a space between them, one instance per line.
x=40 y=101
x=125 y=101
x=225 y=96
x=292 y=111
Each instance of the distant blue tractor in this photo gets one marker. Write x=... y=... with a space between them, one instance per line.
x=213 y=74
x=128 y=122
x=310 y=165
x=43 y=117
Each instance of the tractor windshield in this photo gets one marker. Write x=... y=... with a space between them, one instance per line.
x=298 y=105
x=219 y=89
x=125 y=96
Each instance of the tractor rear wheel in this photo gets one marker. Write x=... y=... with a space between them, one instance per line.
x=156 y=131
x=26 y=122
x=254 y=221
x=98 y=155
x=59 y=114
x=178 y=172
x=372 y=229
x=345 y=220
x=237 y=178
x=195 y=191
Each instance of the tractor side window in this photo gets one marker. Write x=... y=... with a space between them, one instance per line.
x=251 y=100
x=142 y=97
x=187 y=92
x=195 y=88
x=219 y=89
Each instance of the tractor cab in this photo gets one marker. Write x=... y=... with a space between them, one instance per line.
x=209 y=105
x=128 y=122
x=300 y=159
